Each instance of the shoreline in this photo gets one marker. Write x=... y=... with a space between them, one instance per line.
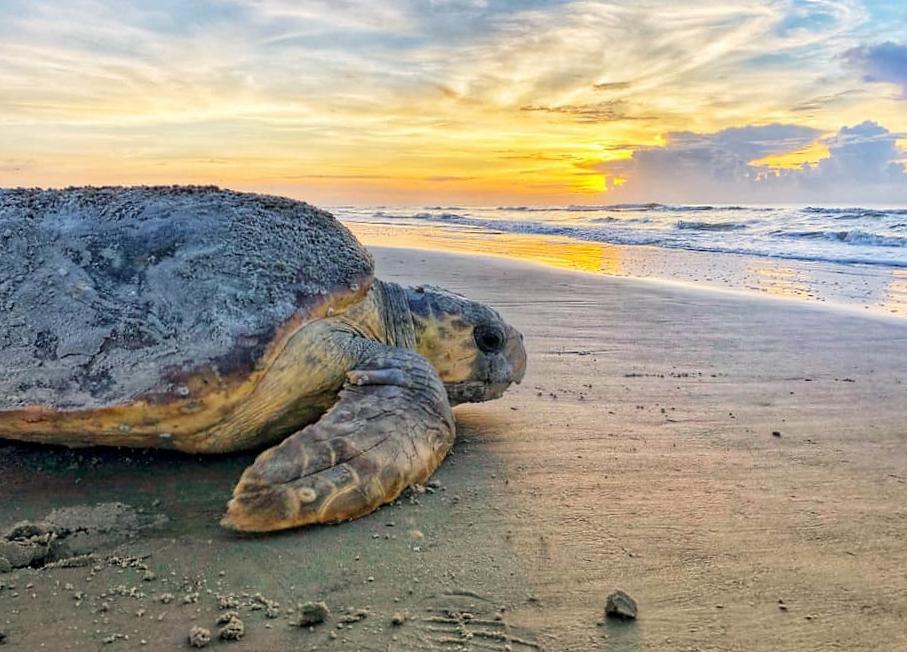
x=517 y=251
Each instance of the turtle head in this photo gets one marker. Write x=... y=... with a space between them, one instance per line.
x=476 y=353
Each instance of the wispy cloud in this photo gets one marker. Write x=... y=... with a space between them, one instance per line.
x=611 y=111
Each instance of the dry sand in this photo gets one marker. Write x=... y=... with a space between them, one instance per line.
x=637 y=454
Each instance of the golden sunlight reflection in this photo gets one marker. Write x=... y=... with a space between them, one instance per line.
x=556 y=252
x=894 y=299
x=778 y=280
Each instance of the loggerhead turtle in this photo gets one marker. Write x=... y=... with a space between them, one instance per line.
x=207 y=320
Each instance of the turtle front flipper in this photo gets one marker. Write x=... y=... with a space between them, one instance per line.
x=391 y=428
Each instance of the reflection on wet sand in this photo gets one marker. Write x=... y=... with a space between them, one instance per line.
x=894 y=299
x=778 y=280
x=556 y=252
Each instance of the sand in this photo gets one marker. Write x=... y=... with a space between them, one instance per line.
x=638 y=454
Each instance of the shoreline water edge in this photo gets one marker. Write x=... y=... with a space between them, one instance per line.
x=852 y=258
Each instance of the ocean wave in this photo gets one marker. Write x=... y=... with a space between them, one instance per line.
x=608 y=219
x=855 y=213
x=540 y=209
x=585 y=208
x=694 y=209
x=632 y=207
x=385 y=214
x=664 y=208
x=853 y=237
x=709 y=226
x=442 y=217
x=621 y=208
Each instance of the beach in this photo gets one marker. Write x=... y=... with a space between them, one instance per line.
x=736 y=463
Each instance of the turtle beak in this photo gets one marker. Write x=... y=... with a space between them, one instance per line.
x=516 y=354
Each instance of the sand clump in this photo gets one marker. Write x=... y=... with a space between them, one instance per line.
x=233 y=628
x=312 y=613
x=199 y=637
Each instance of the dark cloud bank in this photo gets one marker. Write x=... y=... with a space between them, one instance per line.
x=885 y=62
x=864 y=166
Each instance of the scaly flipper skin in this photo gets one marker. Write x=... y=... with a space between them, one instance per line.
x=390 y=428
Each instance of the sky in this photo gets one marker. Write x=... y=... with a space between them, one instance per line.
x=480 y=102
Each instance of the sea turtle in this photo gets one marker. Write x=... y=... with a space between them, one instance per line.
x=207 y=320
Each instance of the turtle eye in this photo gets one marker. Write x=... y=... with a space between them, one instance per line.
x=489 y=339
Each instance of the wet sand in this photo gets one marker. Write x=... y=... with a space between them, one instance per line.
x=637 y=454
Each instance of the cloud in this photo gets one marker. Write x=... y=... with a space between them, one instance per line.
x=885 y=62
x=611 y=111
x=866 y=154
x=864 y=164
x=612 y=86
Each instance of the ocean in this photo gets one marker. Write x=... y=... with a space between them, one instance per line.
x=848 y=256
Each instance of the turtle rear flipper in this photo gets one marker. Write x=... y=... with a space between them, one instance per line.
x=391 y=428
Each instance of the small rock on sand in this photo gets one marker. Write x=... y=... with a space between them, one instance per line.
x=199 y=637
x=312 y=613
x=620 y=605
x=233 y=630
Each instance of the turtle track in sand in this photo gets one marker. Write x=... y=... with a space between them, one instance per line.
x=463 y=622
x=68 y=536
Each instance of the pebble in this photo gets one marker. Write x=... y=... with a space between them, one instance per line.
x=621 y=605
x=398 y=619
x=199 y=637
